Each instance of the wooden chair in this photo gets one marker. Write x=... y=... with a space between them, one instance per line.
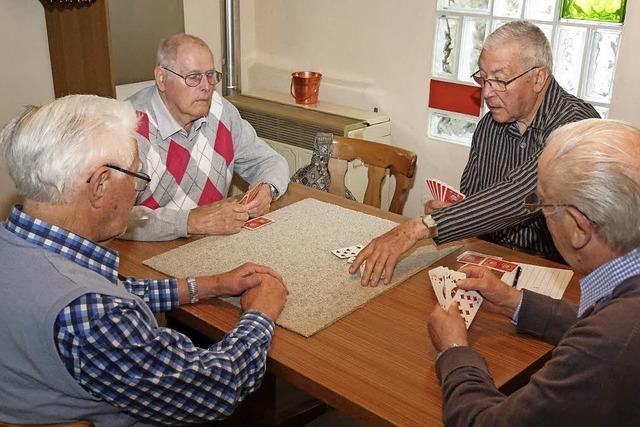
x=378 y=158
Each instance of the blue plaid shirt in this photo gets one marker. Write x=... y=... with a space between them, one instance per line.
x=158 y=374
x=597 y=287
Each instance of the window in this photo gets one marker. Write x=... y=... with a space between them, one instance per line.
x=584 y=37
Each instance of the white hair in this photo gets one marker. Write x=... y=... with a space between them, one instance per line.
x=596 y=168
x=535 y=49
x=52 y=148
x=167 y=52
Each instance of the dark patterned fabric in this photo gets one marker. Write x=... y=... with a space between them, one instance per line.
x=316 y=173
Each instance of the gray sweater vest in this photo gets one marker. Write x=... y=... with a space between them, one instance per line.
x=35 y=386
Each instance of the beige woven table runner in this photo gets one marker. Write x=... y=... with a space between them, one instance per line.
x=298 y=245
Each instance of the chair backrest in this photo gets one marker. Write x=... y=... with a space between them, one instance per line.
x=378 y=157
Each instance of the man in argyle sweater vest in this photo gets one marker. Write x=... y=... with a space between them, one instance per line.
x=191 y=141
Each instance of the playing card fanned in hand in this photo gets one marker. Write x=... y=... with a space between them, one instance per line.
x=250 y=195
x=445 y=285
x=443 y=192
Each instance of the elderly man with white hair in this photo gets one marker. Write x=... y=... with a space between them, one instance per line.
x=589 y=192
x=79 y=342
x=525 y=105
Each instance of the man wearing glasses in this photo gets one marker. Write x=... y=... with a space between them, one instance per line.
x=589 y=193
x=525 y=105
x=79 y=341
x=191 y=141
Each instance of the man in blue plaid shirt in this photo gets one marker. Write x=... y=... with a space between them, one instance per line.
x=78 y=343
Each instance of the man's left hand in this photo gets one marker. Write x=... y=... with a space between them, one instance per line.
x=261 y=204
x=446 y=327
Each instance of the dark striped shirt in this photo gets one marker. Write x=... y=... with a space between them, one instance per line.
x=501 y=171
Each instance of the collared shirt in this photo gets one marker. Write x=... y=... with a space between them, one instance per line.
x=501 y=171
x=597 y=287
x=159 y=375
x=195 y=168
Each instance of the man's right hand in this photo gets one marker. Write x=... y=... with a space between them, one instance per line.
x=498 y=296
x=268 y=297
x=383 y=252
x=223 y=217
x=433 y=205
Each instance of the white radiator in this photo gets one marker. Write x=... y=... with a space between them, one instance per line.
x=291 y=129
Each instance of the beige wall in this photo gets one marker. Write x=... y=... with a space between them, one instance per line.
x=373 y=53
x=26 y=70
x=376 y=53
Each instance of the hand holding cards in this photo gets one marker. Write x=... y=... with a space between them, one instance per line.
x=445 y=285
x=250 y=195
x=443 y=192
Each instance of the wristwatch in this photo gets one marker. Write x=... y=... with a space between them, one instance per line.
x=431 y=225
x=273 y=189
x=193 y=290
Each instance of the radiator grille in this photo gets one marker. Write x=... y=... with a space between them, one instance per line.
x=284 y=130
x=291 y=124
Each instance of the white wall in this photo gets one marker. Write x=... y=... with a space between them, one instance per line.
x=373 y=53
x=26 y=71
x=377 y=53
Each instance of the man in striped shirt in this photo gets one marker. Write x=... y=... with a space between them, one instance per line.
x=525 y=105
x=78 y=342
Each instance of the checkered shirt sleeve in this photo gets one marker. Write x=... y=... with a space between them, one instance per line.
x=160 y=295
x=158 y=374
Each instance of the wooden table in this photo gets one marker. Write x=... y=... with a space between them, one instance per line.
x=376 y=364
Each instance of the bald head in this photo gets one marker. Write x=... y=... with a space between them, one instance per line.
x=594 y=165
x=168 y=48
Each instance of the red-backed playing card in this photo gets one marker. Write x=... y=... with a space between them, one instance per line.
x=250 y=195
x=255 y=223
x=500 y=265
x=452 y=196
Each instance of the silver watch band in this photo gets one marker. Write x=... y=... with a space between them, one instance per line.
x=193 y=290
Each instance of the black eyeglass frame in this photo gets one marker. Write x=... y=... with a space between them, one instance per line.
x=215 y=75
x=140 y=175
x=481 y=81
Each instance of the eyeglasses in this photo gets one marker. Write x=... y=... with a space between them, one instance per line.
x=141 y=183
x=533 y=203
x=193 y=79
x=495 y=84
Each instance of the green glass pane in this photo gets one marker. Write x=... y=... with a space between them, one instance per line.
x=594 y=10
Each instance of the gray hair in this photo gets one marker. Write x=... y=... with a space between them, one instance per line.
x=168 y=48
x=596 y=168
x=51 y=149
x=535 y=49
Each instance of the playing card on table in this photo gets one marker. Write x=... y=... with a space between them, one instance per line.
x=255 y=223
x=499 y=264
x=468 y=304
x=348 y=252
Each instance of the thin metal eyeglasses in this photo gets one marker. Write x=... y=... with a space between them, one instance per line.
x=142 y=182
x=534 y=203
x=498 y=85
x=193 y=79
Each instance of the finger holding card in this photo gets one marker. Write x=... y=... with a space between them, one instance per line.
x=446 y=328
x=257 y=200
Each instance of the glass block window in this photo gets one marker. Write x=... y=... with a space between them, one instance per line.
x=584 y=37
